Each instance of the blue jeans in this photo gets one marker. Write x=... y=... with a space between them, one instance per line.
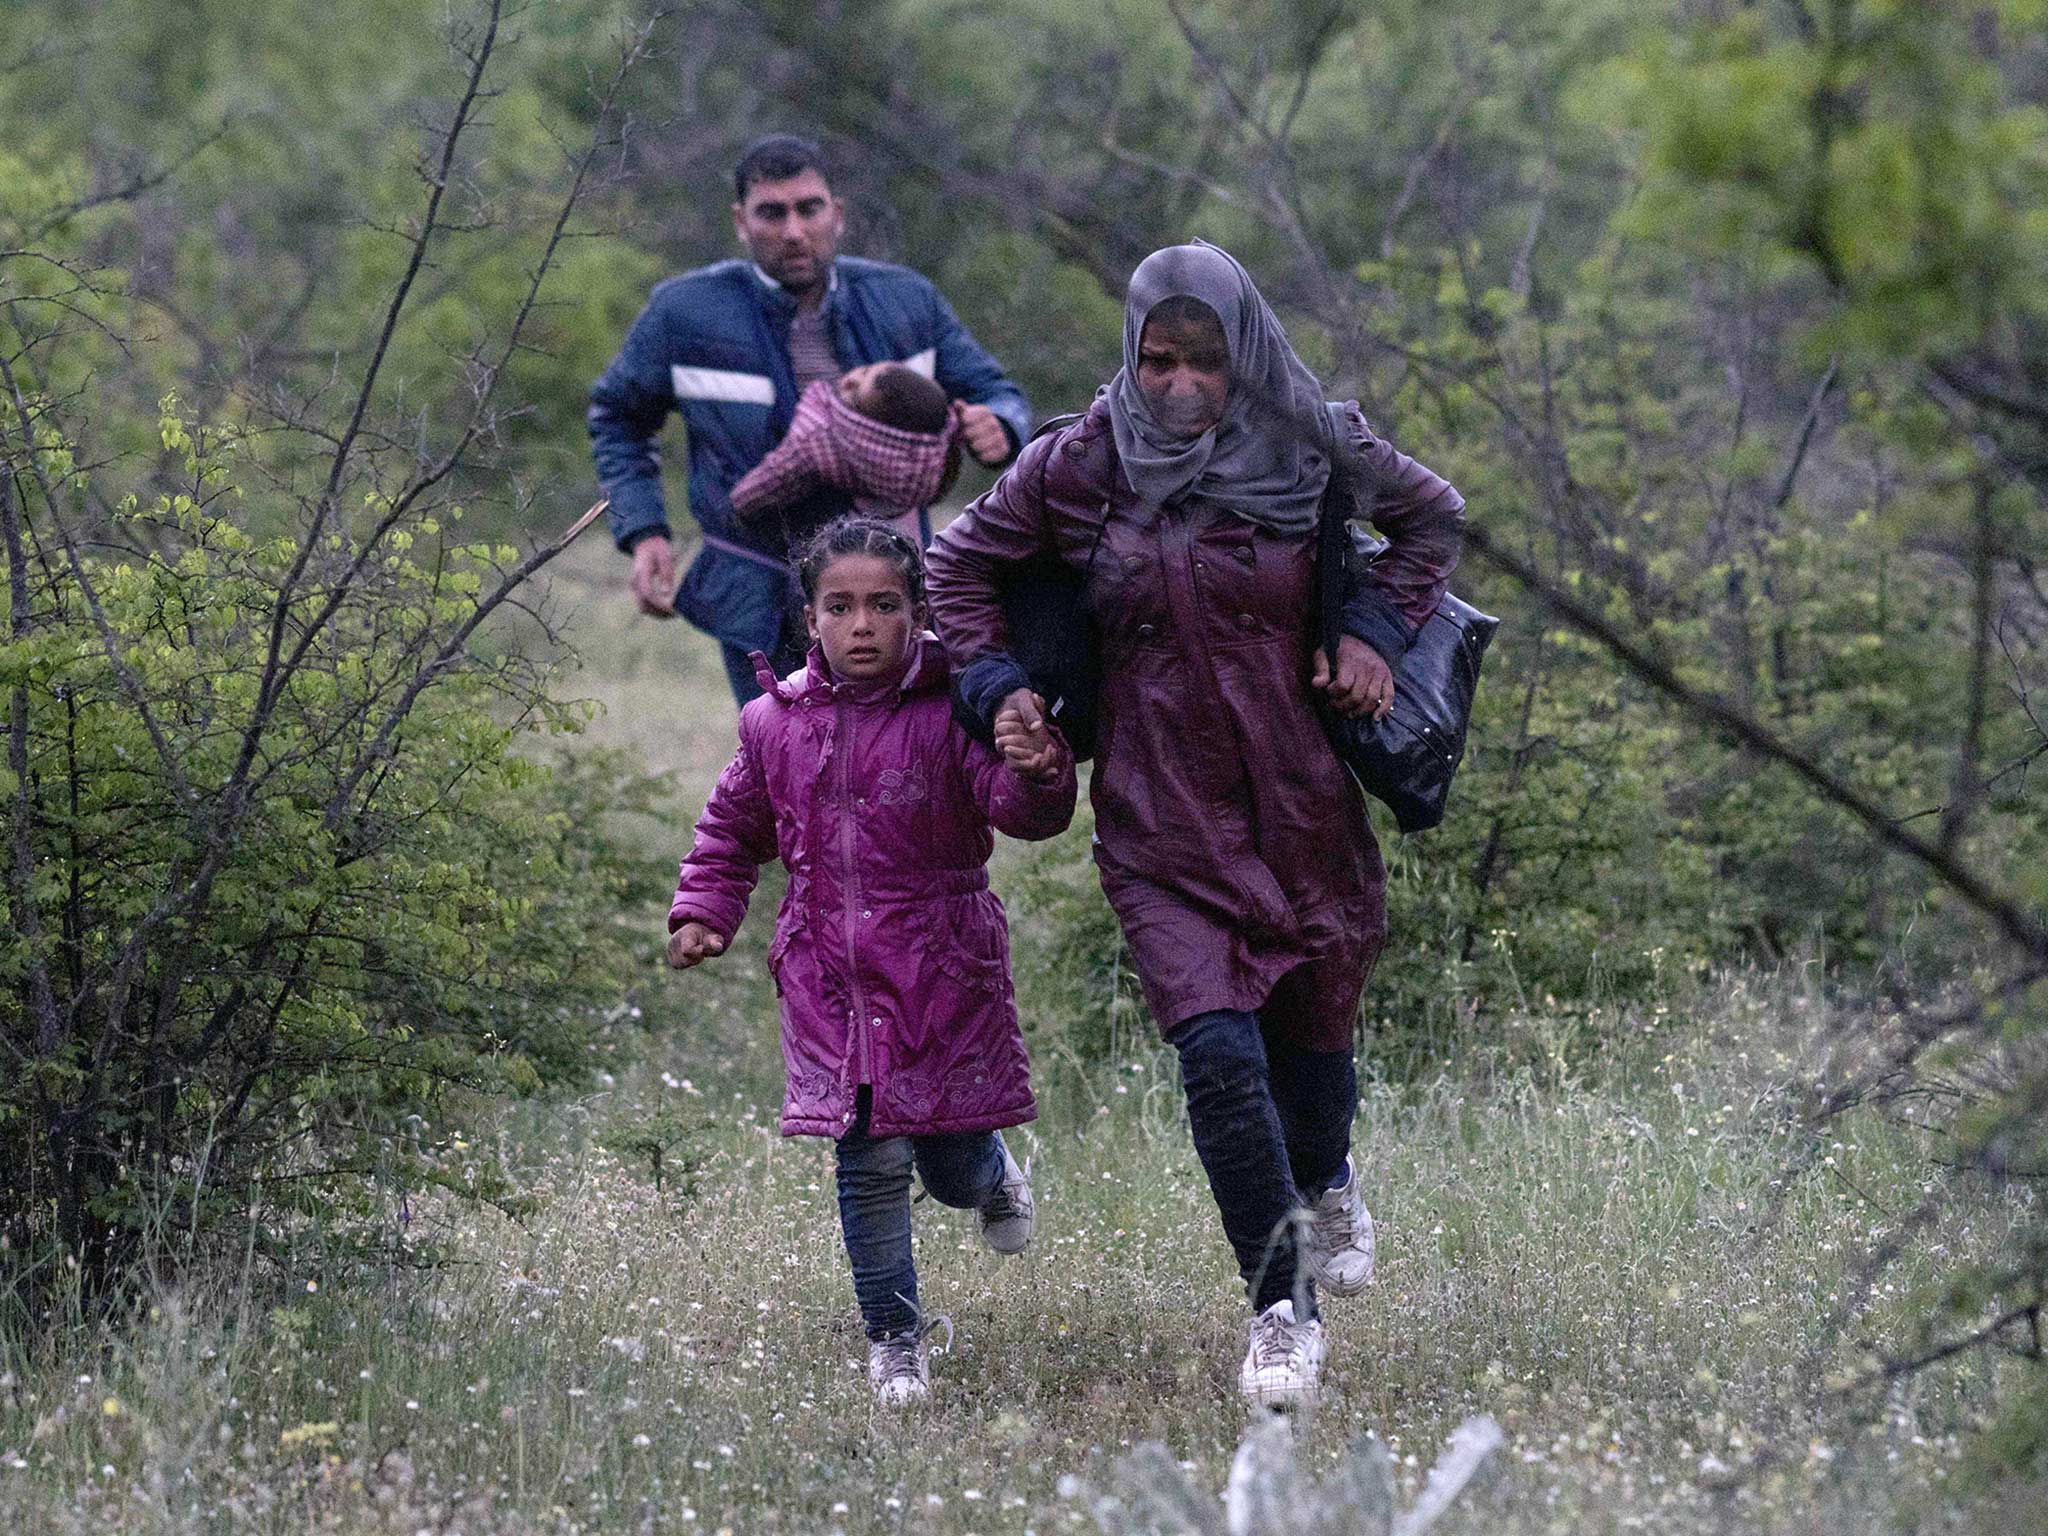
x=1272 y=1126
x=959 y=1169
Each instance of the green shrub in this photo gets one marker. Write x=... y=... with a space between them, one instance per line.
x=278 y=926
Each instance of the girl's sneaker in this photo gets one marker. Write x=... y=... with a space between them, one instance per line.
x=1006 y=1218
x=1280 y=1368
x=900 y=1367
x=1340 y=1240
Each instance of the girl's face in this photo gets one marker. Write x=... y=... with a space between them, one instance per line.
x=1184 y=373
x=862 y=616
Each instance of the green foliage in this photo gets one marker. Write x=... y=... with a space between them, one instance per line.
x=293 y=880
x=667 y=1140
x=395 y=928
x=1728 y=320
x=1077 y=996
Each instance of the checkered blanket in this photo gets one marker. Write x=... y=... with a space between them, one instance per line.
x=885 y=469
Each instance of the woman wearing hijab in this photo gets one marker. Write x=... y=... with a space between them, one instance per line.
x=1231 y=842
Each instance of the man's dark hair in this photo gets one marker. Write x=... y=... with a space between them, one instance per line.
x=777 y=158
x=903 y=398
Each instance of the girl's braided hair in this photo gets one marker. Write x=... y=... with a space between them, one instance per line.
x=854 y=535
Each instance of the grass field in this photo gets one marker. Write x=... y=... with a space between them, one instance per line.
x=1619 y=1264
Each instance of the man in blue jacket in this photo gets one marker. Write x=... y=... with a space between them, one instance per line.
x=731 y=346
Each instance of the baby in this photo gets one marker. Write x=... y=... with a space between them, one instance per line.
x=884 y=433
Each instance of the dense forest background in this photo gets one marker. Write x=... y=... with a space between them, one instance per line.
x=1729 y=319
x=1724 y=318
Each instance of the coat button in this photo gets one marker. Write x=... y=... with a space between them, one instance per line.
x=1132 y=562
x=1146 y=631
x=1244 y=553
x=1245 y=621
x=1075 y=450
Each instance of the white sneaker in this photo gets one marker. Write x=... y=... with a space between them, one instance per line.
x=900 y=1366
x=1280 y=1368
x=1006 y=1219
x=1340 y=1243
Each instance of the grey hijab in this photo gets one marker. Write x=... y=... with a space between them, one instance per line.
x=1267 y=460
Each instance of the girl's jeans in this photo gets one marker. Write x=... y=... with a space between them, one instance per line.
x=959 y=1169
x=1272 y=1124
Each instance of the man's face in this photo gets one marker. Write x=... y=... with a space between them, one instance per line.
x=791 y=228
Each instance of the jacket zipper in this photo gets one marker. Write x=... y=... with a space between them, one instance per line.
x=1181 y=530
x=849 y=884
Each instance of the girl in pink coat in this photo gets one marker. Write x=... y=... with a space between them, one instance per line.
x=899 y=1029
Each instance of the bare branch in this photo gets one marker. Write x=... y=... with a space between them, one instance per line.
x=452 y=651
x=124 y=192
x=21 y=865
x=338 y=465
x=131 y=685
x=2013 y=920
x=1964 y=790
x=1789 y=480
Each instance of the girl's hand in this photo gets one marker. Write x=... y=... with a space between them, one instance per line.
x=692 y=944
x=1364 y=684
x=1021 y=736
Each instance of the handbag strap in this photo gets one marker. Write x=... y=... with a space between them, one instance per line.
x=1060 y=424
x=1352 y=493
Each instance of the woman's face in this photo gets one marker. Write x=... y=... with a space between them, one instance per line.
x=1184 y=372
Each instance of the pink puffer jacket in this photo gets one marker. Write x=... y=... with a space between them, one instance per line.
x=891 y=953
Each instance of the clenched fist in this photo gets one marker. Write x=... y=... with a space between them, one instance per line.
x=692 y=944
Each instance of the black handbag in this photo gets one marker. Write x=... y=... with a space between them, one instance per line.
x=1406 y=761
x=1052 y=636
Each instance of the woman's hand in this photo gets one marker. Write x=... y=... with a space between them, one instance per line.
x=1021 y=736
x=1364 y=684
x=693 y=944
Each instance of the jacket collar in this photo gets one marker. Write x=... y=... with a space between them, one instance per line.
x=776 y=297
x=926 y=669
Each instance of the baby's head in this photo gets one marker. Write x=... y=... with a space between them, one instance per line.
x=896 y=396
x=901 y=397
x=863 y=595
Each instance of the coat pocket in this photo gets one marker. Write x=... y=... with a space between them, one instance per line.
x=792 y=924
x=965 y=941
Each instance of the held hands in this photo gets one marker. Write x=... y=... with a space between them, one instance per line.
x=1023 y=739
x=984 y=434
x=654 y=576
x=1364 y=684
x=692 y=944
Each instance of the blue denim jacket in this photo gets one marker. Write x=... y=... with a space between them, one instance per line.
x=713 y=344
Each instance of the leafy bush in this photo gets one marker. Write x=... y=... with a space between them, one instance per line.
x=271 y=934
x=285 y=889
x=1077 y=995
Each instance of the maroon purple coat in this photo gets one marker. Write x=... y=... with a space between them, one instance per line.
x=1231 y=842
x=891 y=954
